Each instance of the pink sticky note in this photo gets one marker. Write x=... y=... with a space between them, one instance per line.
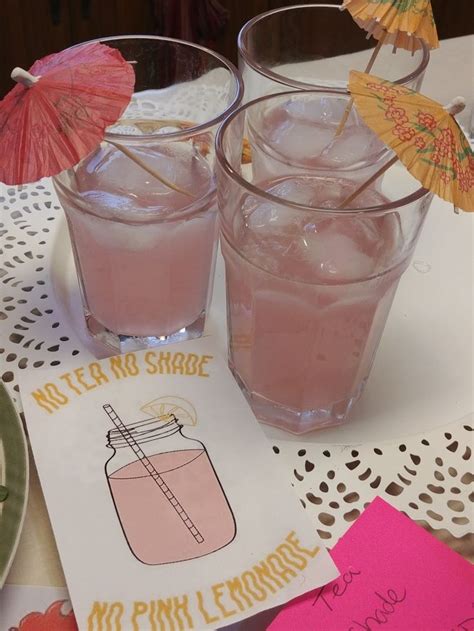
x=394 y=577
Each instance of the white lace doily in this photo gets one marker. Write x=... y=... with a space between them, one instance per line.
x=196 y=101
x=428 y=476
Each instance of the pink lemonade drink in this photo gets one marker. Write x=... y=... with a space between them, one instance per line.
x=141 y=208
x=144 y=251
x=306 y=305
x=309 y=284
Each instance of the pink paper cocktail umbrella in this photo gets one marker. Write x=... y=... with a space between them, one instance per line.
x=60 y=109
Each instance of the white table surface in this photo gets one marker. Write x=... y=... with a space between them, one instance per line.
x=427 y=343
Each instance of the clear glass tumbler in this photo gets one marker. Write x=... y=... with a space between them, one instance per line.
x=141 y=208
x=309 y=284
x=314 y=46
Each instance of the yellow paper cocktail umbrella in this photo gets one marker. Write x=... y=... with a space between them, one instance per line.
x=402 y=23
x=424 y=135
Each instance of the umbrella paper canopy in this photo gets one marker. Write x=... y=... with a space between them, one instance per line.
x=51 y=120
x=402 y=23
x=423 y=134
x=399 y=22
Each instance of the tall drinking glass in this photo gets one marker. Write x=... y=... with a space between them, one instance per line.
x=141 y=208
x=309 y=285
x=314 y=46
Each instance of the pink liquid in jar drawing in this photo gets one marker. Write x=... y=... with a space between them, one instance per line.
x=168 y=498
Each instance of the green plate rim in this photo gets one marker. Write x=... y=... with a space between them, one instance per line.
x=17 y=475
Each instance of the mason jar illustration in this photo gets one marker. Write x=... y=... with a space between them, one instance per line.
x=168 y=498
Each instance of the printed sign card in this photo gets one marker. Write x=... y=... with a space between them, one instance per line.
x=168 y=507
x=394 y=576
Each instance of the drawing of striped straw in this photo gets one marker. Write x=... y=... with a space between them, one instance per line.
x=151 y=470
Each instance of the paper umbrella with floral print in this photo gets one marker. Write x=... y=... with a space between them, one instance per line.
x=423 y=134
x=402 y=23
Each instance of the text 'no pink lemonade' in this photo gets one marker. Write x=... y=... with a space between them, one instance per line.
x=308 y=297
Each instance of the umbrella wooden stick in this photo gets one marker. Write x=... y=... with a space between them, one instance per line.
x=368 y=182
x=455 y=107
x=152 y=472
x=372 y=59
x=148 y=168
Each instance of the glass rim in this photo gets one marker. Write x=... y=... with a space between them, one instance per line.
x=191 y=131
x=221 y=159
x=282 y=79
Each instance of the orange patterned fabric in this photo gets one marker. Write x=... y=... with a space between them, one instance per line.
x=426 y=137
x=403 y=23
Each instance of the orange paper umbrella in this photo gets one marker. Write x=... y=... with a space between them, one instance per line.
x=402 y=23
x=59 y=110
x=424 y=135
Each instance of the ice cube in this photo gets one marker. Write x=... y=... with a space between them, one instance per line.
x=109 y=170
x=368 y=198
x=317 y=244
x=315 y=109
x=300 y=190
x=335 y=256
x=116 y=235
x=304 y=131
x=270 y=218
x=273 y=218
x=354 y=145
x=300 y=141
x=118 y=186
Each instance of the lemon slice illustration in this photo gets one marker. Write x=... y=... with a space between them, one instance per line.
x=184 y=411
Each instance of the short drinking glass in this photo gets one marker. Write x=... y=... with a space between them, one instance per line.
x=144 y=250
